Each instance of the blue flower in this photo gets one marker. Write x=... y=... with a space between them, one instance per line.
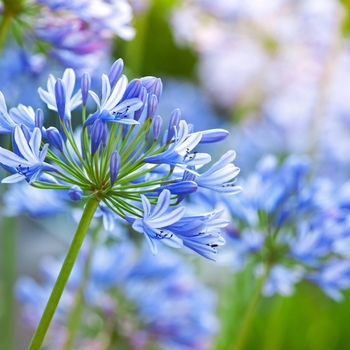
x=72 y=100
x=219 y=176
x=201 y=233
x=153 y=223
x=111 y=107
x=178 y=153
x=162 y=300
x=28 y=163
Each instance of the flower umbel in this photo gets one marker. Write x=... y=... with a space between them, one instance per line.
x=139 y=178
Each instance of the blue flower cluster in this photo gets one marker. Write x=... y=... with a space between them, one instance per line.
x=294 y=227
x=134 y=301
x=121 y=156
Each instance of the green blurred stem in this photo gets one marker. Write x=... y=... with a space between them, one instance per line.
x=4 y=28
x=11 y=9
x=63 y=276
x=8 y=277
x=249 y=315
x=75 y=315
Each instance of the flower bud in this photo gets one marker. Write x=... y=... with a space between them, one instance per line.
x=115 y=71
x=213 y=135
x=60 y=95
x=75 y=193
x=39 y=118
x=96 y=135
x=152 y=106
x=132 y=90
x=114 y=166
x=157 y=126
x=85 y=87
x=54 y=137
x=142 y=96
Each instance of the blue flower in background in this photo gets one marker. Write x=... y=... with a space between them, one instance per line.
x=293 y=225
x=145 y=300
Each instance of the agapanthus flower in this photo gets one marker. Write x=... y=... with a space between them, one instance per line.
x=72 y=100
x=146 y=301
x=122 y=157
x=27 y=162
x=293 y=226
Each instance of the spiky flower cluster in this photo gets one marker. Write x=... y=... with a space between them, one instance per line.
x=297 y=228
x=121 y=156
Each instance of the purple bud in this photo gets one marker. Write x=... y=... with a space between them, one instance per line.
x=152 y=106
x=54 y=137
x=75 y=193
x=105 y=134
x=39 y=118
x=85 y=86
x=115 y=71
x=114 y=166
x=96 y=135
x=148 y=82
x=213 y=135
x=158 y=88
x=174 y=121
x=182 y=188
x=133 y=89
x=157 y=125
x=60 y=94
x=142 y=96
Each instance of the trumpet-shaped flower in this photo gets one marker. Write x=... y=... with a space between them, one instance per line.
x=153 y=222
x=28 y=161
x=178 y=153
x=72 y=100
x=111 y=107
x=219 y=176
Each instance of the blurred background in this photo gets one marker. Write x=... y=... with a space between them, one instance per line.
x=276 y=75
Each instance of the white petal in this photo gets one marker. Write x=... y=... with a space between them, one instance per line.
x=12 y=159
x=35 y=142
x=162 y=205
x=117 y=93
x=146 y=206
x=23 y=146
x=13 y=178
x=68 y=79
x=106 y=90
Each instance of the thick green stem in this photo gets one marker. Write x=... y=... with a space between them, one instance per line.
x=63 y=276
x=249 y=315
x=7 y=281
x=74 y=317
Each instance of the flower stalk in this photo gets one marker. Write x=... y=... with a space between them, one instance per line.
x=63 y=276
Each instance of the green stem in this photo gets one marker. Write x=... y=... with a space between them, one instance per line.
x=74 y=317
x=4 y=28
x=249 y=315
x=8 y=277
x=63 y=276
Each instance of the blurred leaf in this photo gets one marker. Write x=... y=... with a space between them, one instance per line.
x=153 y=51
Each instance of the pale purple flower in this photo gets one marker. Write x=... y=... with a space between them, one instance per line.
x=29 y=162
